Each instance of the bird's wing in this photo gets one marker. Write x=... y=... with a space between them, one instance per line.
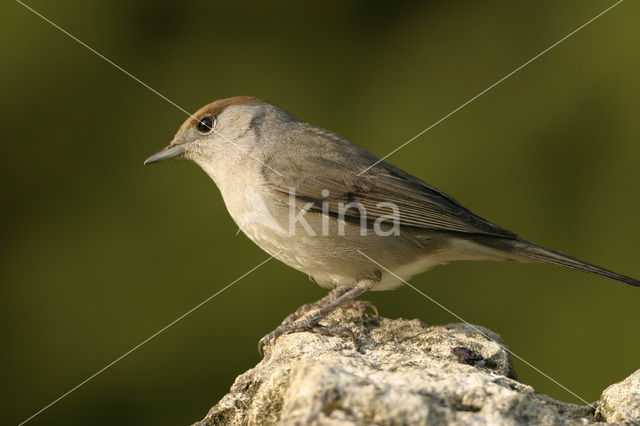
x=419 y=205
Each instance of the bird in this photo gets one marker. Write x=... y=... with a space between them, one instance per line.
x=335 y=211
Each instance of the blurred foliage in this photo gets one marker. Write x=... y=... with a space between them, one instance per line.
x=98 y=252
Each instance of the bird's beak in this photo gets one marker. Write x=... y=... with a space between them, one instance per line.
x=168 y=153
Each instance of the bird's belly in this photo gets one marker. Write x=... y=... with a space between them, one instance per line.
x=345 y=260
x=332 y=252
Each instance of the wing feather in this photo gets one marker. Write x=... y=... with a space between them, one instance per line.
x=419 y=204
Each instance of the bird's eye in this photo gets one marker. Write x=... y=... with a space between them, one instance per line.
x=206 y=124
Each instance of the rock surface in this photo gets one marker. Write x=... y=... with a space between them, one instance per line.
x=403 y=372
x=620 y=402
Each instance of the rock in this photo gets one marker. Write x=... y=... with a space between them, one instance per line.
x=621 y=401
x=403 y=372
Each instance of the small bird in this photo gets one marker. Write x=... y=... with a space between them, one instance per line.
x=331 y=209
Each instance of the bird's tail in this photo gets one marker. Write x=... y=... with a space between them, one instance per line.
x=530 y=251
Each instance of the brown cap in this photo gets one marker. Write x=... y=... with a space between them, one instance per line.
x=216 y=107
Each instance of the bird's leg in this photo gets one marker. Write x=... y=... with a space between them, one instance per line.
x=311 y=321
x=361 y=305
x=333 y=294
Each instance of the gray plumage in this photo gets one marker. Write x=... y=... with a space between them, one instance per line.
x=270 y=165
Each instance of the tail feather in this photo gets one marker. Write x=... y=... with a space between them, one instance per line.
x=528 y=250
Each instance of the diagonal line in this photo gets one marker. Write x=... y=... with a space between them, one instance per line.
x=146 y=340
x=491 y=87
x=76 y=39
x=481 y=332
x=105 y=58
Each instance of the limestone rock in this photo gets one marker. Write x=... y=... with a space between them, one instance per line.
x=620 y=402
x=402 y=373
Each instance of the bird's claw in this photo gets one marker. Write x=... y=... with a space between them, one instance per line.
x=362 y=306
x=335 y=331
x=311 y=327
x=266 y=339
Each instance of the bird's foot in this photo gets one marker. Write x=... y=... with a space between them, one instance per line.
x=362 y=306
x=323 y=307
x=304 y=325
x=308 y=307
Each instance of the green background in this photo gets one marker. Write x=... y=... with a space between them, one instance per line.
x=99 y=252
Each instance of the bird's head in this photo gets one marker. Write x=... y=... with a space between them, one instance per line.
x=217 y=131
